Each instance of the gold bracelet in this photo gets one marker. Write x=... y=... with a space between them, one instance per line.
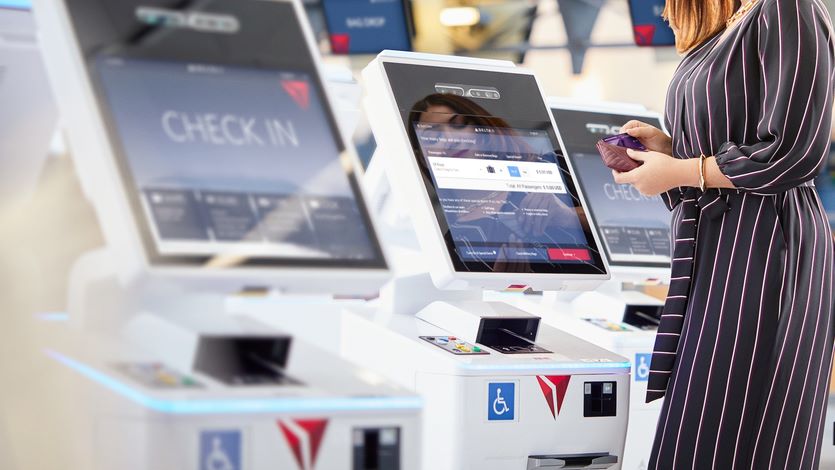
x=702 y=184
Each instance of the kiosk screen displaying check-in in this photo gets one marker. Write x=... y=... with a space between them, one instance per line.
x=224 y=137
x=492 y=165
x=635 y=229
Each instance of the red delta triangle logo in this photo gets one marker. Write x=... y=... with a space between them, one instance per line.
x=644 y=34
x=299 y=90
x=304 y=436
x=554 y=388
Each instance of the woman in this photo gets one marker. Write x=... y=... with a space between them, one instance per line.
x=744 y=350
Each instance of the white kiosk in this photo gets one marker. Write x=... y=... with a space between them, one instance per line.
x=205 y=139
x=28 y=116
x=473 y=157
x=635 y=235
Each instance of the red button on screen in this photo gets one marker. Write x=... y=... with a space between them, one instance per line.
x=569 y=254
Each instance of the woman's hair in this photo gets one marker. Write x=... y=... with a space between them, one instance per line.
x=696 y=21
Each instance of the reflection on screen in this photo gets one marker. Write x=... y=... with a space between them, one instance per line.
x=501 y=190
x=233 y=161
x=634 y=228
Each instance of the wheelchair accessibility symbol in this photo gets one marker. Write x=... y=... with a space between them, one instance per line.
x=641 y=372
x=501 y=401
x=220 y=450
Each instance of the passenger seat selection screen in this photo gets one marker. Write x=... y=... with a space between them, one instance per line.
x=234 y=161
x=635 y=228
x=502 y=193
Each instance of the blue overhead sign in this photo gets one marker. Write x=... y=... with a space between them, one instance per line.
x=649 y=28
x=367 y=26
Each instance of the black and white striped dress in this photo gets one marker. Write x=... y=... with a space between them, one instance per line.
x=744 y=350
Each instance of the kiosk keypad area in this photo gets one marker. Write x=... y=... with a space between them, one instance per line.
x=454 y=345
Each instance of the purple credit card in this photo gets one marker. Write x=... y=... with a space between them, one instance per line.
x=625 y=140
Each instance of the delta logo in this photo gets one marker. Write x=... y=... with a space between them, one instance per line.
x=299 y=90
x=553 y=388
x=304 y=436
x=340 y=43
x=644 y=33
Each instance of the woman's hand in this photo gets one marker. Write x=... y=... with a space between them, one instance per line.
x=653 y=138
x=659 y=173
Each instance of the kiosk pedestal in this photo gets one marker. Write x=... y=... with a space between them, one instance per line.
x=609 y=332
x=472 y=156
x=501 y=390
x=188 y=383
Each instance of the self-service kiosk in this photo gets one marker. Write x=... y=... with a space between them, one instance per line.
x=28 y=116
x=472 y=155
x=622 y=315
x=205 y=139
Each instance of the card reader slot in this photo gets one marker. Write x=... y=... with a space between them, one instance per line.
x=244 y=361
x=646 y=317
x=510 y=335
x=572 y=461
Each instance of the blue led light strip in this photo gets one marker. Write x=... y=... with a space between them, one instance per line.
x=19 y=4
x=240 y=406
x=552 y=366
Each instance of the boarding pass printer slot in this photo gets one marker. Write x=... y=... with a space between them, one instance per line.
x=572 y=461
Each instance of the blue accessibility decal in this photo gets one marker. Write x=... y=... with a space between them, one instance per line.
x=641 y=370
x=501 y=401
x=220 y=450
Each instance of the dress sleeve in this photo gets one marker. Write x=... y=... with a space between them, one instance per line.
x=793 y=131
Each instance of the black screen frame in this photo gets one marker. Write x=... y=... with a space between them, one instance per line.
x=596 y=266
x=627 y=116
x=104 y=33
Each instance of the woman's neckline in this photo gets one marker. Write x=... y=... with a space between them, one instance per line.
x=725 y=34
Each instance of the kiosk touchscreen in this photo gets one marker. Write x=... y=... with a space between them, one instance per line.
x=207 y=143
x=216 y=131
x=635 y=229
x=472 y=155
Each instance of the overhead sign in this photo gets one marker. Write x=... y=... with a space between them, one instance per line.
x=367 y=26
x=648 y=26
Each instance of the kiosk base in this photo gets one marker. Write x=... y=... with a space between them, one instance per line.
x=586 y=316
x=182 y=382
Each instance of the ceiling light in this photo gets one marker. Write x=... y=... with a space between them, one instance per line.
x=460 y=16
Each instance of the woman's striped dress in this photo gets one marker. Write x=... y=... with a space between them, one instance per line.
x=744 y=350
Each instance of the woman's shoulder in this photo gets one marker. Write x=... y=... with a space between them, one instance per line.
x=780 y=17
x=770 y=8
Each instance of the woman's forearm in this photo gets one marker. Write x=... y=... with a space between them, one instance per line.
x=714 y=178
